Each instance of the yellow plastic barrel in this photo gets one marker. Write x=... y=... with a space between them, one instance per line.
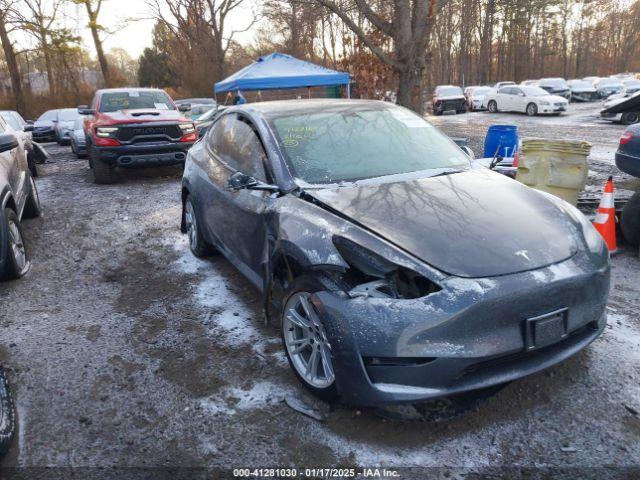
x=559 y=167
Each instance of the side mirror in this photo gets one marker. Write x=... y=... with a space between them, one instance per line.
x=468 y=151
x=239 y=181
x=28 y=127
x=8 y=141
x=85 y=110
x=184 y=107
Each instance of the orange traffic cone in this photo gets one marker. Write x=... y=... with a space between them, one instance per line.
x=605 y=221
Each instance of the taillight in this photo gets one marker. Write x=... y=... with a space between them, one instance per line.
x=516 y=159
x=626 y=138
x=189 y=137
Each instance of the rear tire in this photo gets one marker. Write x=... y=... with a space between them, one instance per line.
x=630 y=118
x=532 y=109
x=493 y=106
x=14 y=251
x=32 y=208
x=7 y=415
x=197 y=243
x=103 y=173
x=630 y=221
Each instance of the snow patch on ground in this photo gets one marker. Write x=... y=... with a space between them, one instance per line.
x=233 y=400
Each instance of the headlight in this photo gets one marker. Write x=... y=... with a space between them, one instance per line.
x=187 y=128
x=592 y=238
x=106 y=131
x=371 y=275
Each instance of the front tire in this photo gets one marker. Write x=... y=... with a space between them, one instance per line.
x=197 y=243
x=629 y=118
x=103 y=173
x=16 y=261
x=7 y=415
x=305 y=340
x=493 y=106
x=532 y=109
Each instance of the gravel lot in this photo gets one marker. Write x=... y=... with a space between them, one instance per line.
x=124 y=350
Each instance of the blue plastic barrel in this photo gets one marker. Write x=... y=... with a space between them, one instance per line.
x=504 y=137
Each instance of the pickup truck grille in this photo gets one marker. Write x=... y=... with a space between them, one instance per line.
x=147 y=133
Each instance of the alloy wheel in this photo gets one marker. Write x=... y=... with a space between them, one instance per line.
x=306 y=341
x=17 y=247
x=192 y=226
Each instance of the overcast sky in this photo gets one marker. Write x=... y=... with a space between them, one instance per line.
x=136 y=35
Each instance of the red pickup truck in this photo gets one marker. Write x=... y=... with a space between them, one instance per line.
x=133 y=127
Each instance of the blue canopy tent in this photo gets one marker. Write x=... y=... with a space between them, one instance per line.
x=280 y=71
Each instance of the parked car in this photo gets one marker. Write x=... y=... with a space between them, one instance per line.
x=204 y=121
x=78 y=138
x=628 y=160
x=18 y=199
x=608 y=86
x=631 y=86
x=197 y=110
x=23 y=131
x=556 y=86
x=622 y=110
x=475 y=97
x=499 y=85
x=7 y=414
x=628 y=153
x=135 y=127
x=529 y=100
x=446 y=98
x=582 y=91
x=44 y=128
x=64 y=126
x=364 y=262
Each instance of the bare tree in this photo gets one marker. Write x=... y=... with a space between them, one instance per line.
x=93 y=11
x=6 y=13
x=408 y=23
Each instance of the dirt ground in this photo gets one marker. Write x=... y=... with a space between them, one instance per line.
x=124 y=350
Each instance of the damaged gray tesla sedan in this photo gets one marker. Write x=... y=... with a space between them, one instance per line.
x=397 y=271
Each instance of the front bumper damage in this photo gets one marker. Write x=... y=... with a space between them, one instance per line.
x=467 y=336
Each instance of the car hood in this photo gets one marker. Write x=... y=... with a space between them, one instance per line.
x=471 y=224
x=554 y=98
x=146 y=115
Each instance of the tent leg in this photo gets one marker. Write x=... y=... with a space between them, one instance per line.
x=348 y=90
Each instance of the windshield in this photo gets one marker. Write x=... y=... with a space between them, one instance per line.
x=609 y=81
x=68 y=114
x=11 y=120
x=448 y=91
x=553 y=82
x=363 y=142
x=155 y=99
x=530 y=91
x=48 y=116
x=208 y=115
x=480 y=90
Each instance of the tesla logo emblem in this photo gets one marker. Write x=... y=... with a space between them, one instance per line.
x=148 y=130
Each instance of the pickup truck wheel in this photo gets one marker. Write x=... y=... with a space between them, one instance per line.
x=16 y=262
x=629 y=118
x=630 y=220
x=32 y=208
x=102 y=172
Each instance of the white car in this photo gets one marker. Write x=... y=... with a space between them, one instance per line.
x=582 y=90
x=475 y=97
x=526 y=99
